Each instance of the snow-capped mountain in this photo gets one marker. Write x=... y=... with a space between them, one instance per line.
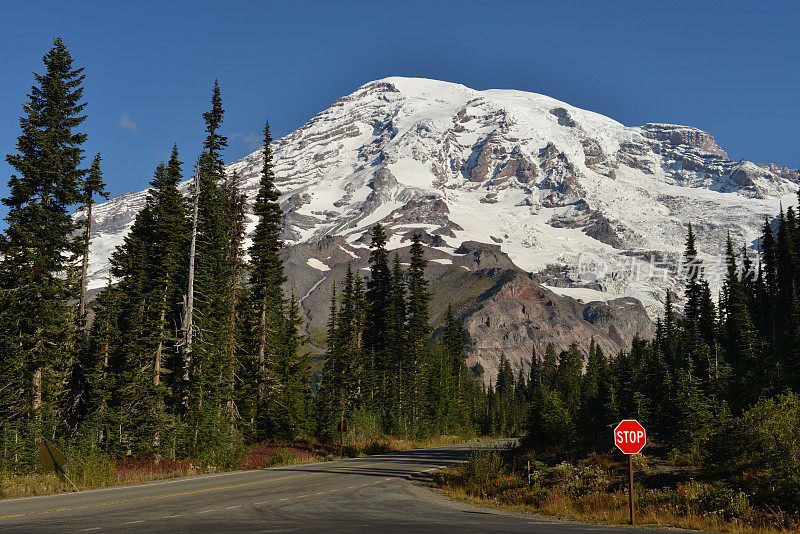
x=549 y=183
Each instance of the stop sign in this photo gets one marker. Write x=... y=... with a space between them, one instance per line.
x=630 y=437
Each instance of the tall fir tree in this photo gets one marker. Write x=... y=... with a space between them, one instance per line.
x=419 y=332
x=169 y=250
x=208 y=421
x=693 y=272
x=399 y=393
x=91 y=187
x=741 y=344
x=232 y=363
x=77 y=390
x=549 y=366
x=37 y=323
x=266 y=300
x=376 y=332
x=505 y=398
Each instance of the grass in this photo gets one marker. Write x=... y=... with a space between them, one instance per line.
x=594 y=490
x=95 y=471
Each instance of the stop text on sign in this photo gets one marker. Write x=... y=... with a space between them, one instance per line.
x=630 y=436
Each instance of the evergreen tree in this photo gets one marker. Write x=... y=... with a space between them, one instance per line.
x=290 y=412
x=708 y=315
x=419 y=332
x=506 y=413
x=92 y=186
x=548 y=367
x=341 y=379
x=329 y=399
x=567 y=380
x=167 y=260
x=208 y=420
x=462 y=382
x=138 y=403
x=101 y=369
x=741 y=346
x=376 y=333
x=236 y=207
x=550 y=422
x=399 y=392
x=693 y=271
x=76 y=393
x=37 y=324
x=787 y=322
x=669 y=330
x=266 y=281
x=593 y=407
x=768 y=286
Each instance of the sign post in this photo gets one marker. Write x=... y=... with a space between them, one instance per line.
x=50 y=456
x=630 y=437
x=342 y=427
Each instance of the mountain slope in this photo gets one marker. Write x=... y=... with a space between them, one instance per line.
x=549 y=183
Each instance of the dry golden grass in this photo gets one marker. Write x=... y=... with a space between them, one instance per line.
x=606 y=509
x=95 y=475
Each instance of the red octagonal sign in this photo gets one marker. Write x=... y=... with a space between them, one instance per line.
x=630 y=437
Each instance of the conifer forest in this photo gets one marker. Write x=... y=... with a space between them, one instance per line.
x=195 y=350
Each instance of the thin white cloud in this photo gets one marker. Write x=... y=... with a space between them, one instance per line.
x=251 y=140
x=126 y=123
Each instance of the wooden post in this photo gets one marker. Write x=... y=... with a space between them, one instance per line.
x=341 y=435
x=630 y=488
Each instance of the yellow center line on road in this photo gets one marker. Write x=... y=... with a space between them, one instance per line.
x=155 y=497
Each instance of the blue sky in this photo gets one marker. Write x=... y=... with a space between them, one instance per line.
x=730 y=68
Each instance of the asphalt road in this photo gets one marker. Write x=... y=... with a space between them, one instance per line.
x=375 y=494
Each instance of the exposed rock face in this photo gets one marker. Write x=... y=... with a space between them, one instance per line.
x=563 y=117
x=622 y=319
x=560 y=186
x=593 y=223
x=484 y=257
x=683 y=136
x=428 y=210
x=517 y=315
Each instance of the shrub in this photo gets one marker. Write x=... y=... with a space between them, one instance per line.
x=724 y=502
x=759 y=452
x=378 y=446
x=285 y=456
x=92 y=470
x=484 y=464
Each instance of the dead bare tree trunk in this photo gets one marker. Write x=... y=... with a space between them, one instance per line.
x=161 y=318
x=85 y=270
x=188 y=303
